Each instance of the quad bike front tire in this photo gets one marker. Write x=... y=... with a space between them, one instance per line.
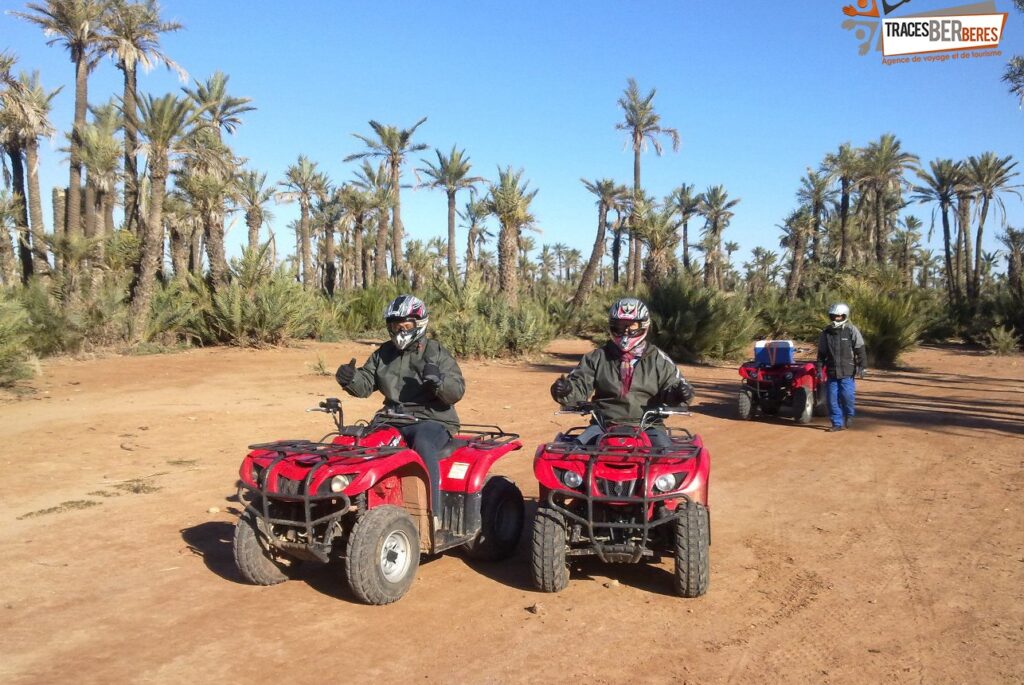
x=803 y=405
x=692 y=550
x=502 y=513
x=383 y=555
x=254 y=558
x=549 y=567
x=745 y=406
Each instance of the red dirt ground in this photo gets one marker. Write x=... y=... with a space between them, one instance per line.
x=890 y=553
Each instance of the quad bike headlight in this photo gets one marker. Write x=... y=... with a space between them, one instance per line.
x=339 y=483
x=665 y=483
x=572 y=479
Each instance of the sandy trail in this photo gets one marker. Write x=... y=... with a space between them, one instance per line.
x=890 y=553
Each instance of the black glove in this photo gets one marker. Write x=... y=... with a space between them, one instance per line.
x=345 y=373
x=561 y=388
x=431 y=376
x=680 y=393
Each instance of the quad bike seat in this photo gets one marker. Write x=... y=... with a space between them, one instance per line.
x=449 y=449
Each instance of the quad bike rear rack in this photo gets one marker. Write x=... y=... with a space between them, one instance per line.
x=681 y=449
x=322 y=452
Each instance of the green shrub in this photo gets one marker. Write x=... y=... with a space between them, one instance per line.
x=693 y=323
x=891 y=321
x=1002 y=341
x=14 y=336
x=779 y=317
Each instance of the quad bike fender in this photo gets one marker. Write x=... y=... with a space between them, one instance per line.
x=467 y=468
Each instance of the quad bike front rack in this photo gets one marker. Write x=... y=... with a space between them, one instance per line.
x=682 y=449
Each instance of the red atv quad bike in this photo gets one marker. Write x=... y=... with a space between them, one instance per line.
x=782 y=385
x=623 y=500
x=361 y=495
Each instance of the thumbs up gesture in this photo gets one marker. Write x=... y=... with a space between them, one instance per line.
x=345 y=373
x=561 y=388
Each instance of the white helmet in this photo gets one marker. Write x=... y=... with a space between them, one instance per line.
x=839 y=314
x=402 y=309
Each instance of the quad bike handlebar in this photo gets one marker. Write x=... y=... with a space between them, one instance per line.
x=647 y=420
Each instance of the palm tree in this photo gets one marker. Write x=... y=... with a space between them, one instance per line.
x=509 y=200
x=358 y=205
x=134 y=41
x=884 y=163
x=573 y=258
x=474 y=213
x=451 y=173
x=392 y=145
x=376 y=183
x=796 y=230
x=687 y=206
x=760 y=269
x=657 y=228
x=730 y=247
x=252 y=194
x=79 y=26
x=419 y=261
x=905 y=246
x=303 y=182
x=844 y=165
x=715 y=207
x=644 y=127
x=546 y=264
x=219 y=110
x=608 y=195
x=164 y=125
x=560 y=249
x=815 y=192
x=24 y=115
x=1013 y=241
x=1014 y=75
x=101 y=155
x=989 y=176
x=940 y=187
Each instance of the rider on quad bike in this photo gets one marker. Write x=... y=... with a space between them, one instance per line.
x=417 y=376
x=626 y=376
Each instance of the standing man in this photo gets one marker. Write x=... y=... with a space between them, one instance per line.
x=841 y=350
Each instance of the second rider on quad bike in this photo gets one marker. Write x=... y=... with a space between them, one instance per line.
x=626 y=376
x=418 y=377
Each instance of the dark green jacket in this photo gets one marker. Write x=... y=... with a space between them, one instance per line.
x=841 y=350
x=398 y=374
x=598 y=375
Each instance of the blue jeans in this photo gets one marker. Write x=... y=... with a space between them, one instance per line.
x=840 y=399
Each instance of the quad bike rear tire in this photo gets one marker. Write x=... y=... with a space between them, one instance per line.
x=383 y=555
x=803 y=405
x=550 y=569
x=502 y=513
x=692 y=550
x=745 y=406
x=258 y=563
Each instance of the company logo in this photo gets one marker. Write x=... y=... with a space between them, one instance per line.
x=963 y=31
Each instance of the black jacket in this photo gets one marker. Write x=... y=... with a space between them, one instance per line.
x=841 y=350
x=398 y=374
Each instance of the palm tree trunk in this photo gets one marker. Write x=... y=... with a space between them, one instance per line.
x=59 y=201
x=397 y=229
x=470 y=242
x=252 y=223
x=358 y=267
x=797 y=266
x=330 y=268
x=964 y=218
x=131 y=142
x=880 y=232
x=616 y=250
x=40 y=262
x=22 y=225
x=508 y=275
x=638 y=255
x=74 y=224
x=590 y=272
x=686 y=246
x=977 y=251
x=844 y=216
x=380 y=267
x=308 y=275
x=213 y=232
x=152 y=248
x=452 y=266
x=195 y=251
x=179 y=251
x=8 y=267
x=951 y=278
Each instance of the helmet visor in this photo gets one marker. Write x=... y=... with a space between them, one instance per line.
x=625 y=327
x=837 y=317
x=396 y=326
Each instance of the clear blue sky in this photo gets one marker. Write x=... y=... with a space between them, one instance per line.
x=758 y=92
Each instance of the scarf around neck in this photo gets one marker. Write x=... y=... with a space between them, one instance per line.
x=626 y=366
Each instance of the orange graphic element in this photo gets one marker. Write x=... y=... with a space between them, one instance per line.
x=851 y=11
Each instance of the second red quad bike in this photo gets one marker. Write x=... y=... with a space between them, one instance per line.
x=622 y=500
x=361 y=496
x=790 y=386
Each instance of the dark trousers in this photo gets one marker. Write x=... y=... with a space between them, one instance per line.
x=427 y=439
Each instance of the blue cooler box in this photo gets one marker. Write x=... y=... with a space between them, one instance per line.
x=774 y=352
